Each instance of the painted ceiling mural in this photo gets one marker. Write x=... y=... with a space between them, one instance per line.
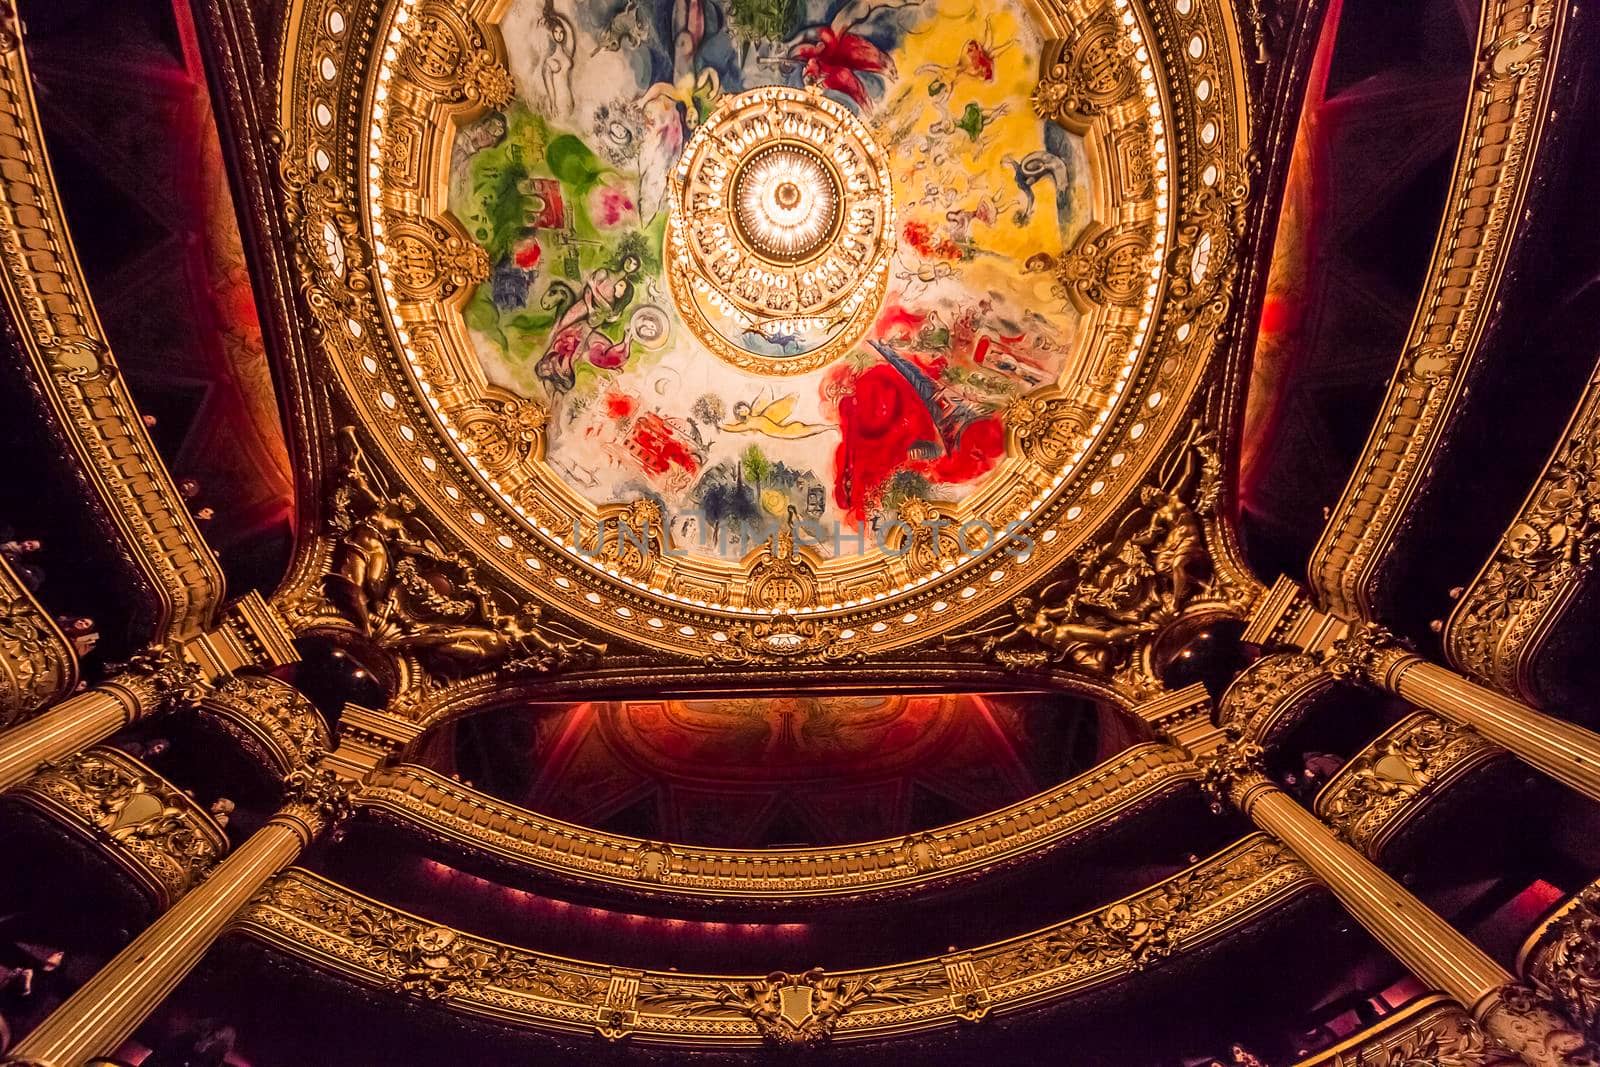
x=568 y=188
x=801 y=291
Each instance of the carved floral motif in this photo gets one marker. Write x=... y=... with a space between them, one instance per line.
x=1537 y=566
x=37 y=664
x=270 y=715
x=149 y=826
x=1377 y=789
x=1566 y=960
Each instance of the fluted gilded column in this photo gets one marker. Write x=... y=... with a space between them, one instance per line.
x=102 y=1014
x=1431 y=948
x=154 y=679
x=1566 y=752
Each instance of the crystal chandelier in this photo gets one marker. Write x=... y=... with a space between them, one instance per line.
x=780 y=225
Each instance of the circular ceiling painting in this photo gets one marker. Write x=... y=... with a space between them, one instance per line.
x=774 y=269
x=706 y=310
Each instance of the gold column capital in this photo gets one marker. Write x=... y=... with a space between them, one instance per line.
x=315 y=800
x=160 y=678
x=1370 y=654
x=1234 y=775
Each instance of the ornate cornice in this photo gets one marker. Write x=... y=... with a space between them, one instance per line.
x=330 y=927
x=37 y=663
x=470 y=821
x=60 y=340
x=142 y=822
x=1388 y=783
x=1518 y=42
x=1540 y=566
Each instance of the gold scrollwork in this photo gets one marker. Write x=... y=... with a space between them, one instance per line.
x=454 y=57
x=149 y=827
x=270 y=717
x=1432 y=1031
x=309 y=916
x=1106 y=266
x=1538 y=566
x=1385 y=785
x=1088 y=74
x=37 y=665
x=1564 y=959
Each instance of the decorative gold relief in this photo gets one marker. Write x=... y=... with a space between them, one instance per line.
x=1538 y=567
x=429 y=260
x=317 y=794
x=1386 y=784
x=1205 y=256
x=1564 y=959
x=308 y=916
x=166 y=677
x=792 y=1010
x=63 y=348
x=271 y=718
x=454 y=58
x=1520 y=1017
x=1432 y=1031
x=475 y=823
x=1268 y=696
x=1049 y=428
x=1106 y=267
x=37 y=665
x=1505 y=117
x=1110 y=602
x=148 y=826
x=1231 y=771
x=1088 y=74
x=1367 y=655
x=401 y=588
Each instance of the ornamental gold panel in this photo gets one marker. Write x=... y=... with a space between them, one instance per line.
x=37 y=664
x=140 y=821
x=306 y=916
x=471 y=822
x=1386 y=785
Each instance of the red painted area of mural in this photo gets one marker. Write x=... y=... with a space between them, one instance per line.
x=620 y=405
x=887 y=427
x=919 y=236
x=658 y=448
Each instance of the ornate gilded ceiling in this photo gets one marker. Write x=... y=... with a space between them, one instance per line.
x=637 y=448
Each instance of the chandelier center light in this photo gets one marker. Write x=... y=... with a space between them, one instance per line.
x=781 y=227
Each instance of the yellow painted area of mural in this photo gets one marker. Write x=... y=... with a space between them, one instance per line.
x=939 y=48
